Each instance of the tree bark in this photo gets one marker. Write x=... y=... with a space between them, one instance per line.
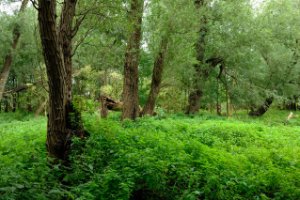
x=64 y=121
x=9 y=57
x=132 y=57
x=57 y=134
x=156 y=79
x=197 y=92
x=66 y=34
x=261 y=110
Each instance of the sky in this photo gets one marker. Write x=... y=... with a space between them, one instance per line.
x=256 y=3
x=10 y=7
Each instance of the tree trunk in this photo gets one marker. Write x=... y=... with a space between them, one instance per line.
x=57 y=134
x=196 y=94
x=262 y=109
x=66 y=34
x=132 y=56
x=194 y=101
x=103 y=110
x=156 y=79
x=218 y=105
x=6 y=105
x=291 y=104
x=29 y=105
x=40 y=109
x=64 y=120
x=9 y=57
x=14 y=95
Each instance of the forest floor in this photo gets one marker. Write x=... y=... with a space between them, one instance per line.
x=165 y=157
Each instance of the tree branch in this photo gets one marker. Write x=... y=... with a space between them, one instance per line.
x=35 y=4
x=81 y=40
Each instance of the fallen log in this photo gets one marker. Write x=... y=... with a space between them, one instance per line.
x=108 y=103
x=21 y=88
x=261 y=109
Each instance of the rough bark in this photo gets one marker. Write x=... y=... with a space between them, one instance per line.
x=67 y=31
x=9 y=57
x=57 y=134
x=65 y=36
x=132 y=57
x=197 y=92
x=64 y=121
x=156 y=79
x=257 y=112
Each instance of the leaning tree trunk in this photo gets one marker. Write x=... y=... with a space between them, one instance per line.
x=9 y=57
x=130 y=87
x=57 y=134
x=156 y=79
x=196 y=93
x=261 y=109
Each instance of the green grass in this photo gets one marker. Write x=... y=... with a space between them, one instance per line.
x=173 y=157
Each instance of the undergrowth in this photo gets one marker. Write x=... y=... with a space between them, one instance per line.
x=174 y=157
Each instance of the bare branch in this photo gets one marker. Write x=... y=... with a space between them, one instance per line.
x=77 y=25
x=81 y=40
x=35 y=4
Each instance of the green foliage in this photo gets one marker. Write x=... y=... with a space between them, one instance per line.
x=23 y=163
x=203 y=157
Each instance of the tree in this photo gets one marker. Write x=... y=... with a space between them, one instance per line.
x=156 y=78
x=57 y=51
x=57 y=134
x=131 y=108
x=66 y=34
x=9 y=57
x=197 y=90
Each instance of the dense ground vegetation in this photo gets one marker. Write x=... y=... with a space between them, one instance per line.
x=149 y=99
x=201 y=157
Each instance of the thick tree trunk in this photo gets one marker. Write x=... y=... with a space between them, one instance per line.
x=57 y=134
x=9 y=57
x=197 y=92
x=64 y=120
x=156 y=79
x=132 y=57
x=257 y=112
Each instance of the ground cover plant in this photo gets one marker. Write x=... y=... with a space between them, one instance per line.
x=202 y=157
x=149 y=99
